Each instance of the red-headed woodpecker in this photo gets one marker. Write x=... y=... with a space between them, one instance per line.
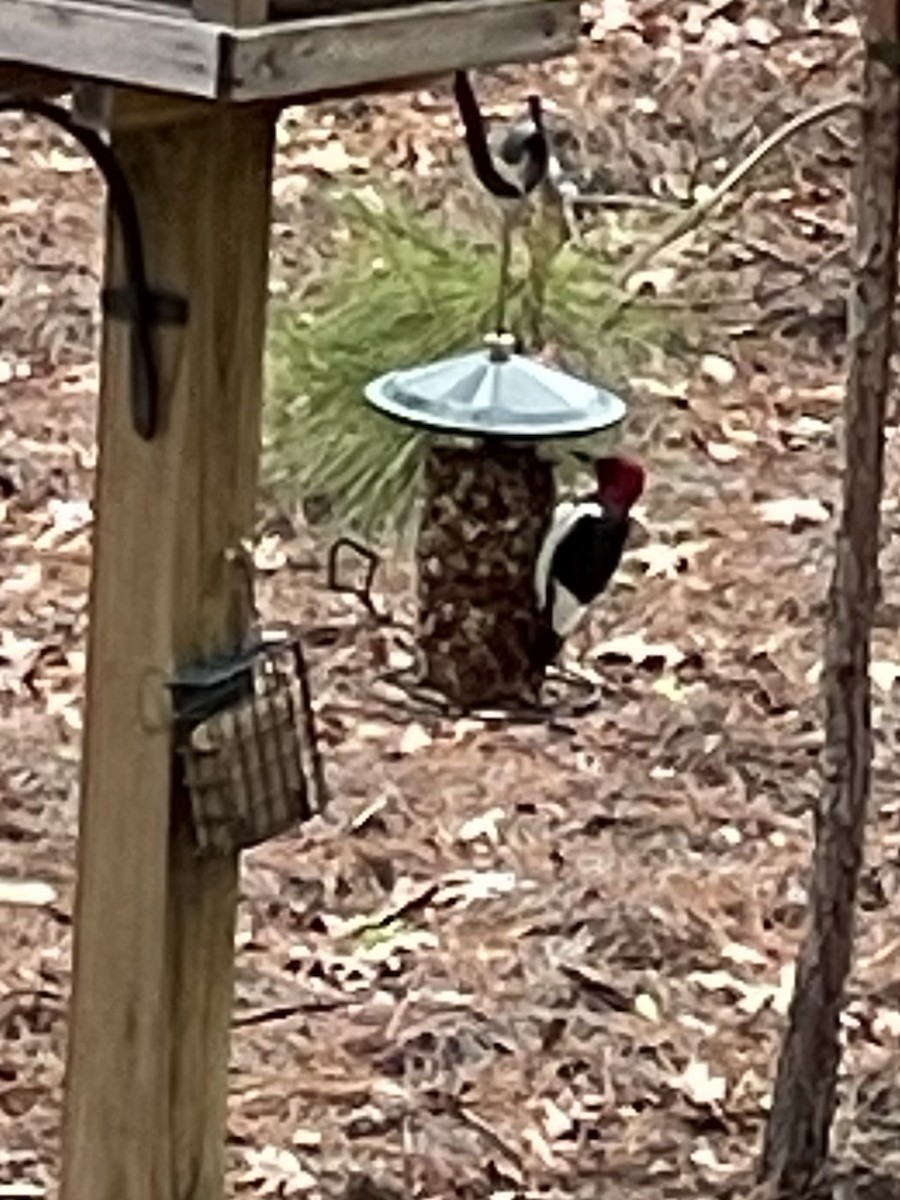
x=582 y=549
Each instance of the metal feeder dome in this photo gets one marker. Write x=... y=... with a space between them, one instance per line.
x=495 y=393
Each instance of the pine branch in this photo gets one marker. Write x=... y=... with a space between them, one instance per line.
x=691 y=219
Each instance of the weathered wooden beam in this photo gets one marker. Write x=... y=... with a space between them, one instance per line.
x=152 y=46
x=231 y=12
x=104 y=105
x=152 y=988
x=164 y=47
x=359 y=49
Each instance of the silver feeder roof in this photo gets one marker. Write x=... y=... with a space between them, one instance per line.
x=495 y=393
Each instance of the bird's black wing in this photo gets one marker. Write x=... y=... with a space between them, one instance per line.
x=587 y=557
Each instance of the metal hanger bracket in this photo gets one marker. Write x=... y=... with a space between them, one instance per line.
x=142 y=306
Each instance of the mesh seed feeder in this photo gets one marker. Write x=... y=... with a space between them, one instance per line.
x=488 y=494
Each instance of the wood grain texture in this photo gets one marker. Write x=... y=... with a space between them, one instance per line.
x=231 y=12
x=151 y=45
x=163 y=47
x=293 y=59
x=140 y=5
x=152 y=988
x=292 y=10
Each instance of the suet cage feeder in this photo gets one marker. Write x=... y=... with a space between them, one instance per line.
x=246 y=739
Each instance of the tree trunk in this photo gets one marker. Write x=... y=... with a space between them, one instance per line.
x=796 y=1142
x=484 y=517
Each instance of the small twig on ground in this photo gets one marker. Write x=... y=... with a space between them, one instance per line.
x=284 y=1012
x=487 y=1131
x=624 y=200
x=285 y=1087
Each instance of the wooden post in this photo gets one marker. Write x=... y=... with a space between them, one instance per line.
x=150 y=1014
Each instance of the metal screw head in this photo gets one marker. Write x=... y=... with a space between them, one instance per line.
x=501 y=345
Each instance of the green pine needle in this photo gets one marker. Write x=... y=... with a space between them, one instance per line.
x=409 y=290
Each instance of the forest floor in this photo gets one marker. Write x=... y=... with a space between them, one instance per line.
x=512 y=959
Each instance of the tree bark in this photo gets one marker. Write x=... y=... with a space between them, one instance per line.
x=796 y=1141
x=484 y=516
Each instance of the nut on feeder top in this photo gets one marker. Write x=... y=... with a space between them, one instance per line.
x=497 y=392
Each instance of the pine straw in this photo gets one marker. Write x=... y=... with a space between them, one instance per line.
x=559 y=963
x=672 y=824
x=405 y=289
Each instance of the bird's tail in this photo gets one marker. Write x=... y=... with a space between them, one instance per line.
x=547 y=646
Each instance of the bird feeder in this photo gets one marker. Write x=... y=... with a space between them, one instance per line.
x=487 y=507
x=496 y=393
x=246 y=740
x=177 y=100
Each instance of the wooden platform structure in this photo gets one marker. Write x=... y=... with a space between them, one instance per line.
x=190 y=92
x=263 y=49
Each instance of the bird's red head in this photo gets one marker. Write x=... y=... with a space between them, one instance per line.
x=620 y=482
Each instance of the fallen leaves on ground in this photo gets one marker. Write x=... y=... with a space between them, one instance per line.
x=510 y=960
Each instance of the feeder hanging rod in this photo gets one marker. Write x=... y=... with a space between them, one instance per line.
x=534 y=145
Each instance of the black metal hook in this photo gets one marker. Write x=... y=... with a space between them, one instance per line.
x=139 y=304
x=529 y=143
x=362 y=592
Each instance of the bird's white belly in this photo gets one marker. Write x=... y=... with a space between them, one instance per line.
x=568 y=611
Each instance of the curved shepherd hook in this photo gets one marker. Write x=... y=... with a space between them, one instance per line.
x=530 y=144
x=139 y=304
x=526 y=145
